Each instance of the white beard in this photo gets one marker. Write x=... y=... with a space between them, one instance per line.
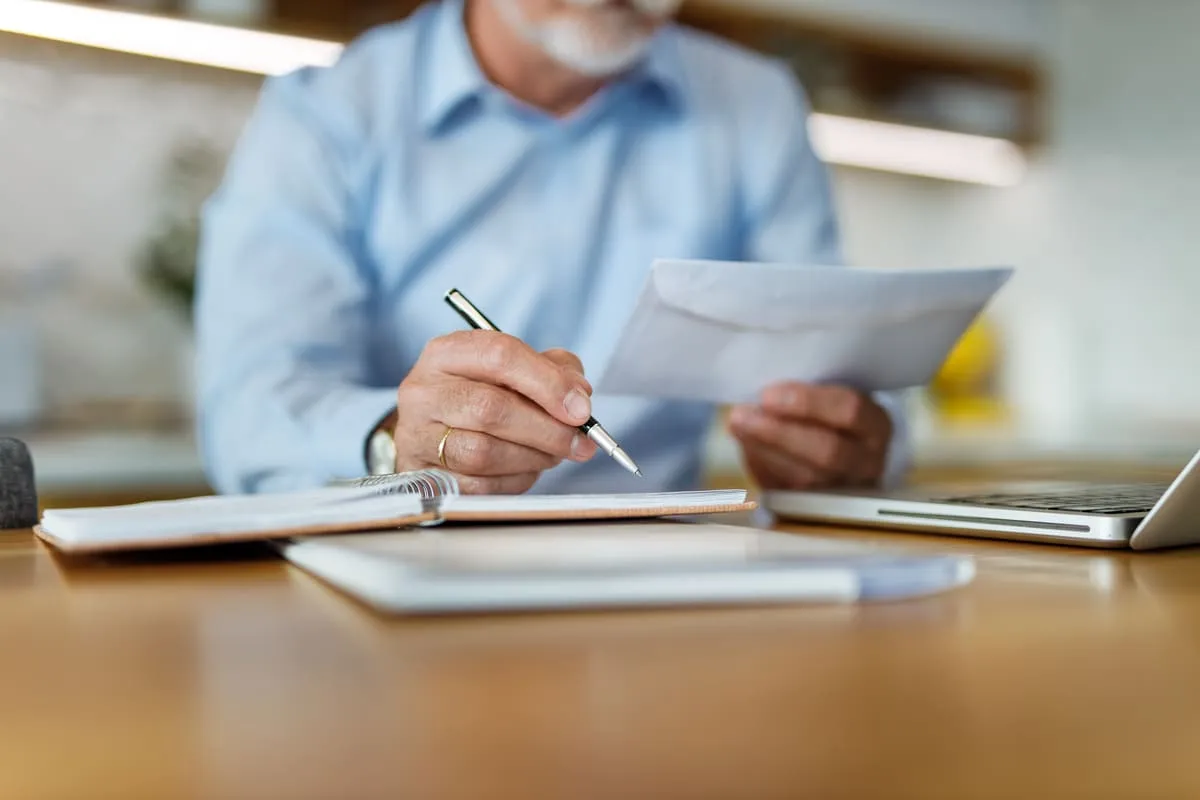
x=610 y=45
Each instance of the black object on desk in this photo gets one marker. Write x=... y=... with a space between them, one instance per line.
x=18 y=493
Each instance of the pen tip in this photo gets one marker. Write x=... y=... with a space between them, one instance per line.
x=639 y=474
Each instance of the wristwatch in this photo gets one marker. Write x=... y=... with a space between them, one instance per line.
x=381 y=451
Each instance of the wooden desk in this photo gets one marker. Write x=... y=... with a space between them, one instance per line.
x=1060 y=673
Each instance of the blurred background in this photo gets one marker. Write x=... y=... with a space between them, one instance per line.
x=1059 y=136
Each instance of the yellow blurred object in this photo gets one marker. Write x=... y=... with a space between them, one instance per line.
x=965 y=388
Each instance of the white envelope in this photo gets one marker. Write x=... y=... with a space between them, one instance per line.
x=722 y=331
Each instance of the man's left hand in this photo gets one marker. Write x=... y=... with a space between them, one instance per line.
x=807 y=437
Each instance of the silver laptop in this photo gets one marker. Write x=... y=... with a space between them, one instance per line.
x=1138 y=516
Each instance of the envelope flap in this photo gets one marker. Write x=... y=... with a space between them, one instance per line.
x=786 y=297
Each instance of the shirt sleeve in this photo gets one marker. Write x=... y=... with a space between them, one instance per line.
x=282 y=315
x=789 y=214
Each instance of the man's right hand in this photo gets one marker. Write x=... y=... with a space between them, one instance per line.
x=514 y=412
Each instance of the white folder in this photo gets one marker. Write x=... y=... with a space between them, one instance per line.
x=480 y=568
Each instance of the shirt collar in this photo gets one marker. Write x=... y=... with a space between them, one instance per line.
x=661 y=72
x=454 y=77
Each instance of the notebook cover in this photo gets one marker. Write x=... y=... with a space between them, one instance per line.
x=204 y=539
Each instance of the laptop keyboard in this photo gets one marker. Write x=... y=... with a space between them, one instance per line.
x=1112 y=499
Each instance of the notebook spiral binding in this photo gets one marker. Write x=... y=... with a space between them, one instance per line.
x=431 y=485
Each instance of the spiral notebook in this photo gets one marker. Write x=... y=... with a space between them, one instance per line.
x=425 y=497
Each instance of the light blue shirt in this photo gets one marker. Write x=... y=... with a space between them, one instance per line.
x=360 y=193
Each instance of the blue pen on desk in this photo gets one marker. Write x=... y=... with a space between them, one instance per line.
x=593 y=429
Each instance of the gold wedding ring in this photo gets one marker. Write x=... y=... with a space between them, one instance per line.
x=442 y=447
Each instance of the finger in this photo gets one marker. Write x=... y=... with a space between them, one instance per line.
x=870 y=467
x=774 y=470
x=571 y=362
x=507 y=484
x=502 y=360
x=481 y=455
x=565 y=359
x=503 y=414
x=829 y=450
x=864 y=467
x=478 y=454
x=833 y=406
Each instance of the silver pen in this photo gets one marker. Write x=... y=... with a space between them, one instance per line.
x=592 y=429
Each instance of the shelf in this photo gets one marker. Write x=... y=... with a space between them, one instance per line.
x=886 y=103
x=898 y=78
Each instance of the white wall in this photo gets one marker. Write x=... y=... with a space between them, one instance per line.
x=1129 y=160
x=84 y=136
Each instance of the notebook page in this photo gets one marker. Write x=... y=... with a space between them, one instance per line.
x=219 y=503
x=566 y=503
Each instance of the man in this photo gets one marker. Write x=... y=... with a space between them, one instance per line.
x=538 y=155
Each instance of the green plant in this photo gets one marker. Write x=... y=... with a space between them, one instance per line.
x=167 y=262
